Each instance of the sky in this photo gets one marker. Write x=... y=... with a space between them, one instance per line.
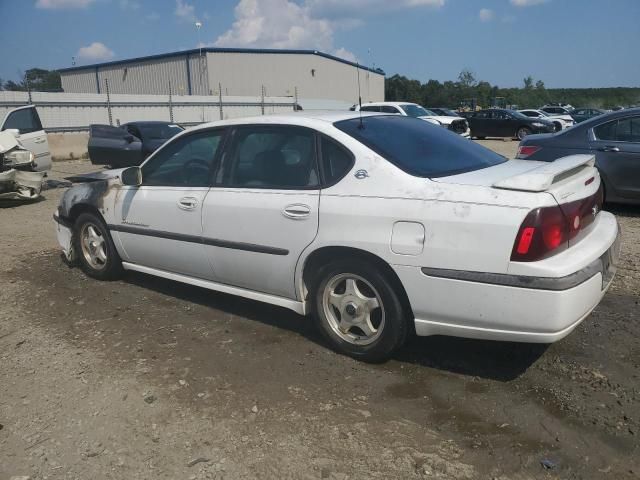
x=565 y=43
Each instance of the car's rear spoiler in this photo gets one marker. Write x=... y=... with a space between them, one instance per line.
x=540 y=179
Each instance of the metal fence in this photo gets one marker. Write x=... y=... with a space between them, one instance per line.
x=69 y=112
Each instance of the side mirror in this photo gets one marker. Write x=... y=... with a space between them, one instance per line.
x=129 y=138
x=13 y=131
x=131 y=176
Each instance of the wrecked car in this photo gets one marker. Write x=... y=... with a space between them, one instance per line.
x=17 y=181
x=379 y=226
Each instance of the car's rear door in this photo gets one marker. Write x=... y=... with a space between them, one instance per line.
x=159 y=223
x=31 y=134
x=113 y=146
x=263 y=208
x=617 y=148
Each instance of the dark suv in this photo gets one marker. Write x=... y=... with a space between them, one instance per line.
x=498 y=122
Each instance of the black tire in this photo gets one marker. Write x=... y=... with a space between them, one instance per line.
x=111 y=267
x=392 y=334
x=523 y=132
x=558 y=126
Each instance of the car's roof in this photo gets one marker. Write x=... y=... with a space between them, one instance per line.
x=294 y=118
x=149 y=122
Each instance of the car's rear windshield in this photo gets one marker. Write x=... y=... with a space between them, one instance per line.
x=419 y=147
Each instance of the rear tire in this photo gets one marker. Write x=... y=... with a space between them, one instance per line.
x=358 y=311
x=94 y=248
x=558 y=126
x=523 y=132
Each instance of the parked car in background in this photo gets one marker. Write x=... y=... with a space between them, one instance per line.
x=499 y=122
x=613 y=138
x=18 y=181
x=582 y=114
x=129 y=144
x=560 y=121
x=24 y=123
x=557 y=108
x=454 y=123
x=377 y=225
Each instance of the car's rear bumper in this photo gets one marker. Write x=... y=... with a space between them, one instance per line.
x=507 y=307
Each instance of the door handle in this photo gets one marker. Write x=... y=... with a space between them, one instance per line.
x=609 y=148
x=39 y=140
x=297 y=211
x=187 y=203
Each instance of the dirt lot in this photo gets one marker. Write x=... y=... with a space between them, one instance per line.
x=146 y=378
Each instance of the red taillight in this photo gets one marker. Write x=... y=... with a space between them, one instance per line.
x=542 y=231
x=526 y=151
x=548 y=229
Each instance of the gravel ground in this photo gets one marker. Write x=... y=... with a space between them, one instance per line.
x=146 y=378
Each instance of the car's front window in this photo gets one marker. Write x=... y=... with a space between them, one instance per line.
x=417 y=111
x=419 y=148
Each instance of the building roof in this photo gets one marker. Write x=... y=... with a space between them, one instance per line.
x=197 y=51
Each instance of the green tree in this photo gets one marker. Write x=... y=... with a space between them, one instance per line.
x=528 y=82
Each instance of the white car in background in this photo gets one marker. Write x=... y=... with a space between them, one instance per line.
x=561 y=122
x=457 y=125
x=24 y=124
x=377 y=225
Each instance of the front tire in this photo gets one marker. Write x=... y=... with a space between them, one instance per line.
x=523 y=132
x=358 y=311
x=94 y=248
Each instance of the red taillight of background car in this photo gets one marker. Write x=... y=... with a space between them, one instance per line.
x=526 y=151
x=543 y=231
x=552 y=229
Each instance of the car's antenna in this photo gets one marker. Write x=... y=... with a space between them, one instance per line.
x=359 y=96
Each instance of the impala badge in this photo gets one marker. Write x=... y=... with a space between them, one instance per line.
x=361 y=174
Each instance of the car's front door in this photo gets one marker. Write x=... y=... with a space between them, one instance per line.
x=31 y=134
x=617 y=148
x=480 y=123
x=502 y=124
x=263 y=209
x=159 y=223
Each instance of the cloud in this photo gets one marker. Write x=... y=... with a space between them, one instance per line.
x=527 y=3
x=185 y=11
x=305 y=24
x=345 y=55
x=486 y=15
x=57 y=4
x=95 y=51
x=129 y=4
x=153 y=16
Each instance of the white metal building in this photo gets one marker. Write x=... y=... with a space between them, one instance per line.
x=238 y=72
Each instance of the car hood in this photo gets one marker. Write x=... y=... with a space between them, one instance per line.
x=441 y=119
x=8 y=142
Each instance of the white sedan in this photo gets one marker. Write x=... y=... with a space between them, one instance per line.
x=561 y=122
x=377 y=225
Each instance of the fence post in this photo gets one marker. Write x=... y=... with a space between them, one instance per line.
x=170 y=104
x=262 y=99
x=106 y=85
x=295 y=99
x=220 y=99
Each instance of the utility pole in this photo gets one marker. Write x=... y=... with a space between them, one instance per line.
x=106 y=85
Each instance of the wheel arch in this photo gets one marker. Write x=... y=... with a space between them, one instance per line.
x=319 y=257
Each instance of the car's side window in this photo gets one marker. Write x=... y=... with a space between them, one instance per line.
x=606 y=131
x=336 y=160
x=25 y=120
x=277 y=157
x=628 y=130
x=188 y=161
x=370 y=108
x=389 y=109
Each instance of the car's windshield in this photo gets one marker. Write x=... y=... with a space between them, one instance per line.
x=159 y=131
x=450 y=113
x=418 y=147
x=544 y=114
x=517 y=114
x=417 y=111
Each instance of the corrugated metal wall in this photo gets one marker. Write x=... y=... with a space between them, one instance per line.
x=313 y=75
x=239 y=73
x=82 y=81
